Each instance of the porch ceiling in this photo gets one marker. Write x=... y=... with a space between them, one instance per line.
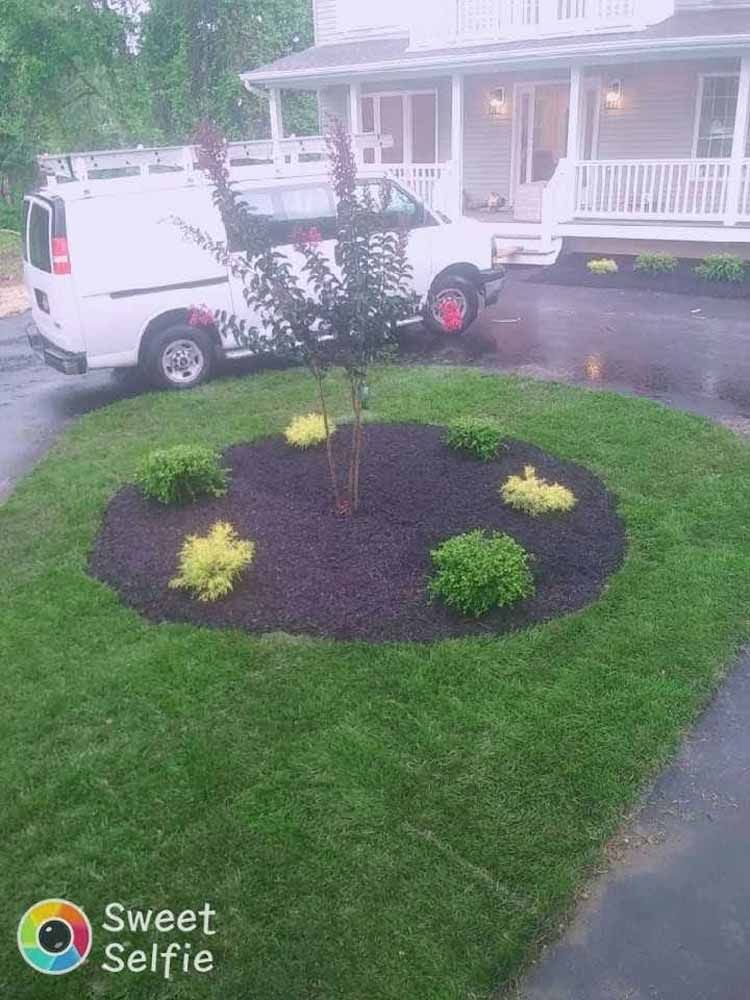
x=691 y=32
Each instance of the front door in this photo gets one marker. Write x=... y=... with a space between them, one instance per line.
x=542 y=112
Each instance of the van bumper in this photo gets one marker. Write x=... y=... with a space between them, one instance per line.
x=493 y=282
x=67 y=362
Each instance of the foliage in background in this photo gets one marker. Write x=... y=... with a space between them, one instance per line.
x=722 y=267
x=107 y=73
x=182 y=474
x=477 y=435
x=656 y=263
x=210 y=565
x=603 y=266
x=478 y=571
x=533 y=495
x=330 y=315
x=305 y=432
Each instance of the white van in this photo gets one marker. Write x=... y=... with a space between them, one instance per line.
x=112 y=279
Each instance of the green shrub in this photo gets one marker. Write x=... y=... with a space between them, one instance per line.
x=722 y=267
x=181 y=474
x=656 y=263
x=210 y=566
x=305 y=432
x=481 y=437
x=535 y=496
x=477 y=572
x=603 y=267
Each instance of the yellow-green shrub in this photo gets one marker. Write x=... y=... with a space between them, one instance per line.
x=210 y=565
x=603 y=266
x=535 y=496
x=304 y=432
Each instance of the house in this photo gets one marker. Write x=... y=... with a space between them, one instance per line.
x=607 y=123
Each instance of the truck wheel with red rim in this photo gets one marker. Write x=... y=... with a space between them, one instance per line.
x=453 y=305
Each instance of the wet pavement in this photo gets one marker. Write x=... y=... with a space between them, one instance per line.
x=36 y=403
x=671 y=920
x=691 y=353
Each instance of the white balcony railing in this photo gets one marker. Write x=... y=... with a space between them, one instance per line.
x=671 y=190
x=484 y=20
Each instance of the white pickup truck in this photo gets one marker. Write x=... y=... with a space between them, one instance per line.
x=112 y=279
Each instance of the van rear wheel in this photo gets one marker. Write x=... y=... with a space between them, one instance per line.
x=179 y=357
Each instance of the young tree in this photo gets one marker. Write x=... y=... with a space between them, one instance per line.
x=337 y=313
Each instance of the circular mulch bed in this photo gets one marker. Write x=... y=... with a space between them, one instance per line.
x=362 y=577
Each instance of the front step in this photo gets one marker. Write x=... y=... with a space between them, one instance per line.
x=527 y=249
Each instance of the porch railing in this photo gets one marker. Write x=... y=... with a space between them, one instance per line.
x=673 y=190
x=744 y=207
x=434 y=184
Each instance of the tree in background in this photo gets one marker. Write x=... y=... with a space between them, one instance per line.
x=88 y=74
x=193 y=51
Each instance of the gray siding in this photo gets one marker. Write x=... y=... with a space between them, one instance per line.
x=709 y=4
x=658 y=113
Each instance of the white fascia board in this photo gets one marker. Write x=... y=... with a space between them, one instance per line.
x=464 y=61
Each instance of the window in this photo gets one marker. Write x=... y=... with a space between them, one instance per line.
x=39 y=238
x=398 y=207
x=288 y=209
x=716 y=113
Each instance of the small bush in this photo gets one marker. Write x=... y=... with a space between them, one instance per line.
x=603 y=267
x=476 y=435
x=210 y=566
x=534 y=496
x=722 y=267
x=477 y=572
x=183 y=473
x=305 y=432
x=656 y=263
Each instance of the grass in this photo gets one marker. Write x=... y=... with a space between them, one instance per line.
x=10 y=257
x=395 y=822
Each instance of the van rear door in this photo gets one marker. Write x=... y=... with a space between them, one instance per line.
x=47 y=272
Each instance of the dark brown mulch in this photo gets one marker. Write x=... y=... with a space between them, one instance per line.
x=364 y=577
x=571 y=269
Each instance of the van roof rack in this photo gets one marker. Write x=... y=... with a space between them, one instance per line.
x=255 y=159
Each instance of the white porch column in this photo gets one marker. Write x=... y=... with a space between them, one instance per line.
x=574 y=135
x=355 y=117
x=739 y=143
x=457 y=138
x=277 y=124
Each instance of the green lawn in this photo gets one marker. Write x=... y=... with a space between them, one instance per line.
x=396 y=822
x=10 y=256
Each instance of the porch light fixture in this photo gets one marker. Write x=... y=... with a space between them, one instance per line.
x=497 y=102
x=613 y=98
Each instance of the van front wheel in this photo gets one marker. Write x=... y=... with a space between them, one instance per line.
x=179 y=357
x=453 y=305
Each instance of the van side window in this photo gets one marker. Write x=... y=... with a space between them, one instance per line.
x=39 y=238
x=398 y=208
x=291 y=209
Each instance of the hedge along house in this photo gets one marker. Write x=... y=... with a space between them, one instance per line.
x=604 y=120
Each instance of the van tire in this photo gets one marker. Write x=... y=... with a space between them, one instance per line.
x=180 y=357
x=452 y=287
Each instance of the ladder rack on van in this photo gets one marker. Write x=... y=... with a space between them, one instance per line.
x=260 y=159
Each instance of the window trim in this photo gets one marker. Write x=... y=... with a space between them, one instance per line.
x=702 y=77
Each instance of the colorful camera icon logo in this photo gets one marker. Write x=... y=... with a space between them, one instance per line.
x=54 y=937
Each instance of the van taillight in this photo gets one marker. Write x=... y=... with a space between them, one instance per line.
x=60 y=255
